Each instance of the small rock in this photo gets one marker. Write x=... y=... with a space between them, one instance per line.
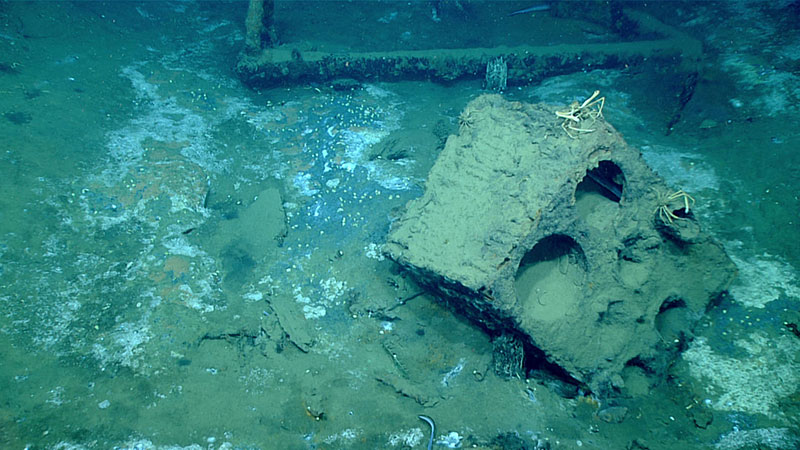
x=18 y=117
x=345 y=84
x=708 y=124
x=638 y=444
x=702 y=417
x=613 y=414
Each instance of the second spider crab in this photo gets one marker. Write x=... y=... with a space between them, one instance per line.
x=669 y=206
x=466 y=119
x=590 y=109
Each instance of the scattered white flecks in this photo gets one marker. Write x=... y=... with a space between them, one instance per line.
x=314 y=311
x=453 y=373
x=60 y=316
x=349 y=434
x=758 y=438
x=56 y=396
x=194 y=300
x=344 y=437
x=355 y=379
x=126 y=346
x=289 y=208
x=253 y=296
x=104 y=404
x=332 y=289
x=374 y=251
x=333 y=183
x=752 y=384
x=331 y=346
x=52 y=246
x=304 y=183
x=450 y=440
x=299 y=297
x=179 y=245
x=180 y=202
x=103 y=221
x=257 y=380
x=136 y=444
x=310 y=311
x=409 y=438
x=271 y=286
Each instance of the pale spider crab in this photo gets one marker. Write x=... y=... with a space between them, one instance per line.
x=669 y=206
x=591 y=108
x=466 y=119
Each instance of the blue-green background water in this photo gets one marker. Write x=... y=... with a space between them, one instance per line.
x=141 y=308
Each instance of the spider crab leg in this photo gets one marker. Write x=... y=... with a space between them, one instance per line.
x=589 y=100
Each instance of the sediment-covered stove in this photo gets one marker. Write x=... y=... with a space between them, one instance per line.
x=542 y=223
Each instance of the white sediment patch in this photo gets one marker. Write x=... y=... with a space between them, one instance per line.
x=407 y=438
x=688 y=171
x=345 y=437
x=305 y=184
x=126 y=346
x=762 y=438
x=194 y=298
x=754 y=384
x=374 y=251
x=762 y=278
x=329 y=295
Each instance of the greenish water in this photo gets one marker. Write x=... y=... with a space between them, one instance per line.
x=150 y=300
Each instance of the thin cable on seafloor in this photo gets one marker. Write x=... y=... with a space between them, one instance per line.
x=433 y=427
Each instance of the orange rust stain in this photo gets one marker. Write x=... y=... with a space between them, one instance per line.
x=158 y=277
x=177 y=265
x=301 y=166
x=292 y=150
x=291 y=114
